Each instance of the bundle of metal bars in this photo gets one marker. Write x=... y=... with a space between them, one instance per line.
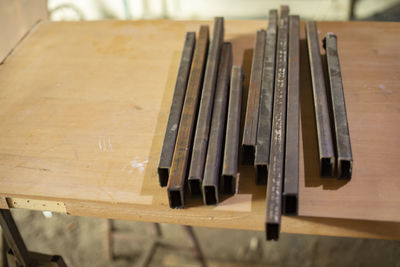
x=201 y=142
x=271 y=129
x=203 y=127
x=334 y=146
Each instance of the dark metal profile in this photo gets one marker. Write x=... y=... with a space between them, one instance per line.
x=14 y=240
x=231 y=153
x=212 y=168
x=171 y=131
x=253 y=100
x=291 y=173
x=196 y=170
x=267 y=93
x=341 y=128
x=277 y=156
x=325 y=144
x=187 y=123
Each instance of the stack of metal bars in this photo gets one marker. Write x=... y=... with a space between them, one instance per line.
x=272 y=124
x=202 y=136
x=194 y=144
x=334 y=147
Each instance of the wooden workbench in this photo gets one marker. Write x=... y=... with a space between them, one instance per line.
x=84 y=107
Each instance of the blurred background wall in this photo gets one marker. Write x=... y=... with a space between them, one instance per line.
x=230 y=9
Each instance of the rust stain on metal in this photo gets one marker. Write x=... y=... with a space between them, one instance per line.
x=325 y=143
x=215 y=146
x=199 y=153
x=251 y=119
x=266 y=103
x=277 y=156
x=171 y=131
x=231 y=153
x=339 y=114
x=291 y=180
x=184 y=140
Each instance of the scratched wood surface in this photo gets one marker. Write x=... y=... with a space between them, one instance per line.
x=84 y=107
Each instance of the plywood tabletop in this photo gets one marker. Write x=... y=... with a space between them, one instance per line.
x=84 y=107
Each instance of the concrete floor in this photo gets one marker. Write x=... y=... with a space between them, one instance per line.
x=80 y=241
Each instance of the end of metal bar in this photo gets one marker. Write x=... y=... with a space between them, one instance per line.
x=228 y=184
x=284 y=8
x=210 y=195
x=329 y=35
x=327 y=167
x=272 y=18
x=163 y=174
x=345 y=168
x=290 y=204
x=272 y=231
x=175 y=197
x=248 y=154
x=194 y=186
x=261 y=174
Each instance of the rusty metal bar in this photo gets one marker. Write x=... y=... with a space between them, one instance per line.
x=199 y=153
x=277 y=156
x=253 y=100
x=325 y=144
x=291 y=174
x=231 y=153
x=215 y=146
x=180 y=161
x=341 y=128
x=171 y=131
x=267 y=94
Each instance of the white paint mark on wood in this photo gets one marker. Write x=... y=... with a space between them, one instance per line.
x=384 y=89
x=136 y=164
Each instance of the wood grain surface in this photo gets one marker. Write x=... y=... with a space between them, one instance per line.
x=84 y=107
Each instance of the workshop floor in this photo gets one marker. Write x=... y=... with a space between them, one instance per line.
x=80 y=241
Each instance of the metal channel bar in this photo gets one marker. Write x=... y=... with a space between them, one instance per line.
x=231 y=153
x=277 y=156
x=341 y=128
x=291 y=174
x=196 y=170
x=266 y=102
x=325 y=144
x=253 y=101
x=174 y=118
x=215 y=146
x=187 y=124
